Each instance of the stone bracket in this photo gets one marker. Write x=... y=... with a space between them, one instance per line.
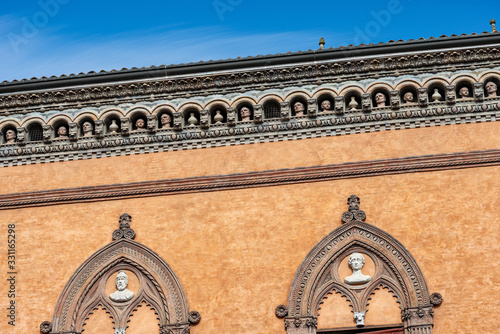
x=257 y=113
x=366 y=102
x=451 y=95
x=423 y=97
x=339 y=105
x=312 y=107
x=285 y=110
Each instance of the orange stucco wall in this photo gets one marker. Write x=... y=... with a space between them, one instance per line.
x=236 y=252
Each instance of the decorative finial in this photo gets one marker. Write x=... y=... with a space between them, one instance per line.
x=354 y=212
x=124 y=231
x=493 y=27
x=321 y=43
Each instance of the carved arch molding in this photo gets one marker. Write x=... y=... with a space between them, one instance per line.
x=158 y=287
x=395 y=269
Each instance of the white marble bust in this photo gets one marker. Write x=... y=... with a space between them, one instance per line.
x=122 y=294
x=356 y=262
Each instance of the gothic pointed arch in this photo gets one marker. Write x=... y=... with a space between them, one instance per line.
x=395 y=269
x=158 y=287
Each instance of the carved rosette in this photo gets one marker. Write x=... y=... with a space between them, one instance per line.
x=45 y=327
x=436 y=299
x=281 y=311
x=194 y=317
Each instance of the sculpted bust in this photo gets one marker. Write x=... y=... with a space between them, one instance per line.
x=491 y=89
x=245 y=114
x=408 y=97
x=87 y=129
x=10 y=136
x=326 y=106
x=122 y=294
x=464 y=92
x=380 y=99
x=140 y=124
x=356 y=262
x=298 y=107
x=62 y=132
x=165 y=121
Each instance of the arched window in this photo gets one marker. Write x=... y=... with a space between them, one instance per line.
x=35 y=132
x=353 y=264
x=119 y=278
x=272 y=109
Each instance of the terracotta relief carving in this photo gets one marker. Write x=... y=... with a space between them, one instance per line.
x=356 y=262
x=158 y=287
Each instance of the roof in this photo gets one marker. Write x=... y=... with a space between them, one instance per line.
x=164 y=71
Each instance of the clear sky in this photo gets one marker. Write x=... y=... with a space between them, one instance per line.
x=54 y=37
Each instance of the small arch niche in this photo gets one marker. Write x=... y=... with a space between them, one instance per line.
x=243 y=117
x=191 y=117
x=272 y=109
x=113 y=124
x=436 y=92
x=61 y=129
x=352 y=101
x=295 y=107
x=464 y=90
x=325 y=103
x=408 y=95
x=218 y=115
x=35 y=132
x=488 y=92
x=165 y=119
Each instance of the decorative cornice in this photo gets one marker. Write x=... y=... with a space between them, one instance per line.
x=252 y=179
x=256 y=79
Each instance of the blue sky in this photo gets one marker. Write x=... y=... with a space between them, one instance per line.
x=54 y=37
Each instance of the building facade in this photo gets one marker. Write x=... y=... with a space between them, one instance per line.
x=347 y=190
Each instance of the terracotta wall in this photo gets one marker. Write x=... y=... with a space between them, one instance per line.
x=236 y=252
